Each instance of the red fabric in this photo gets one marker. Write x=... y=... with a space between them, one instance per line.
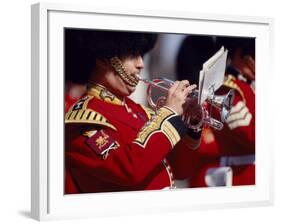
x=198 y=178
x=73 y=92
x=188 y=162
x=129 y=167
x=242 y=175
x=70 y=186
x=69 y=101
x=241 y=140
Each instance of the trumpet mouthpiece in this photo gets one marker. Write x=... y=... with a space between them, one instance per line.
x=139 y=77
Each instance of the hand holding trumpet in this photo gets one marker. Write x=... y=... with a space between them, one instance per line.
x=177 y=95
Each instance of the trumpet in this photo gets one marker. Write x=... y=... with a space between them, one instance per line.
x=195 y=115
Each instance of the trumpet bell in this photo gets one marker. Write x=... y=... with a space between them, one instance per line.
x=223 y=104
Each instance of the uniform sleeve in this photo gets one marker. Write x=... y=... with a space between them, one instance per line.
x=187 y=161
x=103 y=154
x=238 y=133
x=241 y=122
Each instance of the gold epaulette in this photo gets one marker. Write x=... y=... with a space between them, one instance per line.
x=80 y=114
x=229 y=82
x=149 y=112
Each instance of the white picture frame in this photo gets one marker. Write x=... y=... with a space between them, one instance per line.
x=48 y=200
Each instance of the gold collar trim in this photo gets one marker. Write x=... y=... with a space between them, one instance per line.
x=100 y=92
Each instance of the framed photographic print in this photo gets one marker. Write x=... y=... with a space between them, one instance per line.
x=100 y=149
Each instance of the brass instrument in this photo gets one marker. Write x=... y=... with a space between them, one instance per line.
x=195 y=115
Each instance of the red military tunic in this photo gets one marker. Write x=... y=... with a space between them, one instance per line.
x=114 y=145
x=237 y=139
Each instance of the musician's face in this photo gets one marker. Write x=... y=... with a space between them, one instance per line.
x=132 y=66
x=245 y=64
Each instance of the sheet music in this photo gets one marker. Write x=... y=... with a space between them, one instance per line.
x=212 y=74
x=201 y=80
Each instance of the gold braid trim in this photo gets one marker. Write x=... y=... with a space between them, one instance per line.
x=149 y=112
x=229 y=82
x=159 y=123
x=80 y=114
x=87 y=116
x=116 y=63
x=170 y=173
x=100 y=92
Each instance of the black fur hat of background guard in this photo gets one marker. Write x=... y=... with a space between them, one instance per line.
x=245 y=44
x=84 y=46
x=193 y=52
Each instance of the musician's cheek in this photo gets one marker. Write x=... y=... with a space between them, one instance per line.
x=246 y=71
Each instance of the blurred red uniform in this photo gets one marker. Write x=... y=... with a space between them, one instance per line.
x=108 y=149
x=237 y=139
x=190 y=165
x=72 y=94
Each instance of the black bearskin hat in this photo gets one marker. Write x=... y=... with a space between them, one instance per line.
x=83 y=47
x=194 y=51
x=246 y=45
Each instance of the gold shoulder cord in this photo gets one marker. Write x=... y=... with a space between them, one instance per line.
x=229 y=82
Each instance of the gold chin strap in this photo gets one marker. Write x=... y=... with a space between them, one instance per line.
x=116 y=63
